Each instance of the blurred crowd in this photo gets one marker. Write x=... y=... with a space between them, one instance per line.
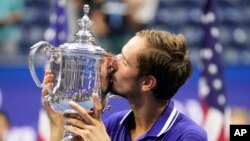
x=12 y=133
x=115 y=21
x=11 y=12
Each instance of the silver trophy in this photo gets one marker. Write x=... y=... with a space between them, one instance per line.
x=77 y=67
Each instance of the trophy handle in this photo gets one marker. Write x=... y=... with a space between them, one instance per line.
x=33 y=52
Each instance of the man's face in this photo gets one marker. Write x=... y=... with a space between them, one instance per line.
x=125 y=76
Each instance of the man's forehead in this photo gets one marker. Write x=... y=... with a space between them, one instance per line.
x=131 y=50
x=135 y=43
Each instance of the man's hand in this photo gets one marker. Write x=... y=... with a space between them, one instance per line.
x=55 y=118
x=89 y=124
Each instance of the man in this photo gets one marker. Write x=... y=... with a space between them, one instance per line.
x=151 y=68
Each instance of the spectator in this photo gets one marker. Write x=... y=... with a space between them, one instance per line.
x=10 y=15
x=239 y=115
x=9 y=133
x=116 y=21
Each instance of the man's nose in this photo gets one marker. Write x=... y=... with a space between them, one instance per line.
x=113 y=64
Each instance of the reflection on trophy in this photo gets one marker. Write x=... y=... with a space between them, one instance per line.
x=79 y=68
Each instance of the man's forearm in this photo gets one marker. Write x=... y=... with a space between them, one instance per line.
x=56 y=133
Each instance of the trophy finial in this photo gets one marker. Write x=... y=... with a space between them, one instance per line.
x=86 y=9
x=84 y=34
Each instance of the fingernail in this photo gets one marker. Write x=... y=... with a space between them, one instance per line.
x=95 y=94
x=71 y=102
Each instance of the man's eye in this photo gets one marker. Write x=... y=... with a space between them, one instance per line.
x=124 y=62
x=120 y=57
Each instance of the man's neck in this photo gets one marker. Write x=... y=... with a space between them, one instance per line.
x=145 y=117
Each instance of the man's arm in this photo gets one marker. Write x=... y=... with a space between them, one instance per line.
x=55 y=118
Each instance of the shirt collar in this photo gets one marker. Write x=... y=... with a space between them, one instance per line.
x=162 y=124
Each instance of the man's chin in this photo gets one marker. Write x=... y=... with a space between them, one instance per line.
x=114 y=92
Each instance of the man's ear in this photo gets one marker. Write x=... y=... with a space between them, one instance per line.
x=149 y=83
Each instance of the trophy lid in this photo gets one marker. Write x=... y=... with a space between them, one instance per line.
x=84 y=39
x=84 y=34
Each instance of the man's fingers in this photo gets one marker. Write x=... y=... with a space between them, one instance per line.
x=75 y=121
x=76 y=130
x=81 y=111
x=48 y=78
x=46 y=88
x=97 y=106
x=46 y=104
x=48 y=72
x=47 y=82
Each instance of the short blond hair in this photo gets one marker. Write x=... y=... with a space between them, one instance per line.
x=166 y=58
